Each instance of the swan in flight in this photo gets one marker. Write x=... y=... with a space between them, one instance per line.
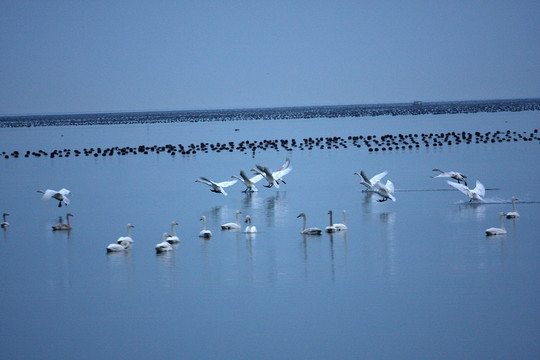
x=126 y=239
x=173 y=239
x=205 y=233
x=216 y=187
x=308 y=231
x=250 y=228
x=62 y=226
x=497 y=231
x=164 y=246
x=249 y=182
x=477 y=193
x=61 y=195
x=331 y=228
x=369 y=183
x=231 y=225
x=4 y=224
x=385 y=191
x=513 y=214
x=273 y=178
x=451 y=174
x=340 y=227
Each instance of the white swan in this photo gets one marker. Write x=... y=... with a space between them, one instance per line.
x=231 y=225
x=497 y=231
x=331 y=228
x=164 y=246
x=250 y=228
x=369 y=183
x=273 y=178
x=62 y=226
x=308 y=231
x=61 y=195
x=4 y=224
x=249 y=182
x=173 y=239
x=126 y=239
x=118 y=247
x=217 y=187
x=341 y=227
x=477 y=193
x=205 y=233
x=385 y=191
x=451 y=174
x=513 y=214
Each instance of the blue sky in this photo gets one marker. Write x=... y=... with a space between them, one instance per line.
x=101 y=56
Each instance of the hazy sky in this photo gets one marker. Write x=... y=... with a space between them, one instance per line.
x=96 y=56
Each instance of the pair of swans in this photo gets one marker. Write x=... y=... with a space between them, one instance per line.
x=60 y=195
x=62 y=226
x=123 y=243
x=477 y=193
x=236 y=226
x=167 y=240
x=332 y=228
x=4 y=224
x=497 y=231
x=459 y=177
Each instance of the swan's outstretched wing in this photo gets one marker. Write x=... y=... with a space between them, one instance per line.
x=225 y=184
x=48 y=194
x=205 y=181
x=480 y=189
x=65 y=192
x=376 y=178
x=390 y=188
x=282 y=172
x=460 y=187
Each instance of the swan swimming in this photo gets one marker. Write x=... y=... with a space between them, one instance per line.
x=331 y=228
x=249 y=182
x=497 y=231
x=341 y=227
x=217 y=187
x=369 y=183
x=164 y=246
x=61 y=195
x=173 y=239
x=513 y=214
x=273 y=178
x=385 y=191
x=118 y=247
x=477 y=193
x=308 y=231
x=126 y=239
x=62 y=226
x=4 y=224
x=205 y=233
x=231 y=225
x=451 y=174
x=250 y=228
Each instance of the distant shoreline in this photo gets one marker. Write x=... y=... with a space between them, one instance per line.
x=278 y=113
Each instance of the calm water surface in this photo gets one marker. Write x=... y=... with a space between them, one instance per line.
x=412 y=279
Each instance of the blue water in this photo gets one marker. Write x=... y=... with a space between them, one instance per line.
x=412 y=279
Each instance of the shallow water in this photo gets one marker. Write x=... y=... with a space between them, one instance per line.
x=408 y=279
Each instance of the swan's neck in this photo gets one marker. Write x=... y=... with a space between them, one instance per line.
x=304 y=227
x=237 y=219
x=513 y=203
x=344 y=217
x=204 y=224
x=173 y=231
x=67 y=217
x=331 y=220
x=4 y=216
x=129 y=231
x=502 y=223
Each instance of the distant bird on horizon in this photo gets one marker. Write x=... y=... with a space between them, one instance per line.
x=61 y=195
x=459 y=177
x=217 y=187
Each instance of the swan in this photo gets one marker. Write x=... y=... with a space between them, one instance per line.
x=61 y=195
x=451 y=174
x=369 y=183
x=497 y=231
x=126 y=239
x=477 y=193
x=4 y=224
x=250 y=228
x=385 y=191
x=331 y=228
x=118 y=247
x=249 y=182
x=164 y=245
x=513 y=214
x=273 y=178
x=205 y=233
x=217 y=187
x=231 y=225
x=340 y=227
x=173 y=239
x=62 y=226
x=308 y=231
